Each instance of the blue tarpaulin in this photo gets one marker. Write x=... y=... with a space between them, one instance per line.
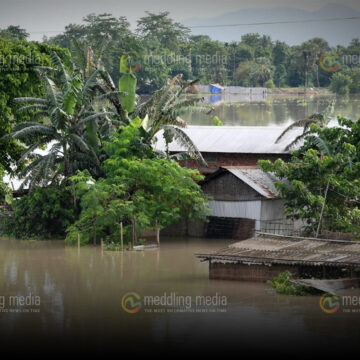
x=215 y=89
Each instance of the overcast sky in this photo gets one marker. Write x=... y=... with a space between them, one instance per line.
x=49 y=17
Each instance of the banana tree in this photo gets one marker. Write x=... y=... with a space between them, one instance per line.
x=164 y=111
x=60 y=124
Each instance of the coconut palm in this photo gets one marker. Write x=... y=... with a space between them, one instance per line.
x=320 y=119
x=164 y=111
x=72 y=128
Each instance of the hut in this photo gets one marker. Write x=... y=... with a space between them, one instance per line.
x=244 y=199
x=264 y=257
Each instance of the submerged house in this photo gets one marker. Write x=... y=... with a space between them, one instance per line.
x=243 y=199
x=266 y=256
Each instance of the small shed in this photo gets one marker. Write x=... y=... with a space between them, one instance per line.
x=264 y=257
x=243 y=199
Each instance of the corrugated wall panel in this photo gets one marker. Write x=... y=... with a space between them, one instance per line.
x=237 y=209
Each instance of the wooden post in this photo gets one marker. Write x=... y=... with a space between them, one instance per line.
x=94 y=241
x=134 y=240
x=157 y=229
x=78 y=245
x=121 y=236
x=102 y=247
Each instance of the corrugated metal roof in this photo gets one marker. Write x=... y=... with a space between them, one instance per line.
x=260 y=181
x=235 y=139
x=277 y=249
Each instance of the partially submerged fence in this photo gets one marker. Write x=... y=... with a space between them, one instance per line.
x=286 y=227
x=235 y=90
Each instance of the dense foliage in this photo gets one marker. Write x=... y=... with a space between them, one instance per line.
x=18 y=79
x=162 y=48
x=98 y=150
x=138 y=189
x=45 y=214
x=324 y=179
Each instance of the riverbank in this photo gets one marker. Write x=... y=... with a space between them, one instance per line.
x=299 y=91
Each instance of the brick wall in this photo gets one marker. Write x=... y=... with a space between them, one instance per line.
x=243 y=272
x=216 y=160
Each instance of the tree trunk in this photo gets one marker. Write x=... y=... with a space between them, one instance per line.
x=317 y=76
x=322 y=208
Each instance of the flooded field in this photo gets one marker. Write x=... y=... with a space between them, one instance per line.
x=58 y=297
x=243 y=111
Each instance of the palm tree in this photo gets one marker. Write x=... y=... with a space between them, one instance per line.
x=72 y=127
x=164 y=111
x=320 y=119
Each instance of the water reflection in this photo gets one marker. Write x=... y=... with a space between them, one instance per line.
x=250 y=111
x=81 y=302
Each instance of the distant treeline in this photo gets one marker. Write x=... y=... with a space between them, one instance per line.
x=161 y=48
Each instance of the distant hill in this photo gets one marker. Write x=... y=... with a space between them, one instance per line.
x=335 y=32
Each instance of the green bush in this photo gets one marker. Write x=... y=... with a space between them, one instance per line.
x=44 y=214
x=283 y=285
x=270 y=84
x=340 y=84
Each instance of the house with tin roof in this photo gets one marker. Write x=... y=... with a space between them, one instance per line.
x=233 y=145
x=244 y=199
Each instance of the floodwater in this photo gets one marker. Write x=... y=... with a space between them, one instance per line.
x=266 y=111
x=74 y=304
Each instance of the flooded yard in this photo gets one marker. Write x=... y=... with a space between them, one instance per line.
x=76 y=300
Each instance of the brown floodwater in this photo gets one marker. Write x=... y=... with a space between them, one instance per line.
x=73 y=302
x=270 y=111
